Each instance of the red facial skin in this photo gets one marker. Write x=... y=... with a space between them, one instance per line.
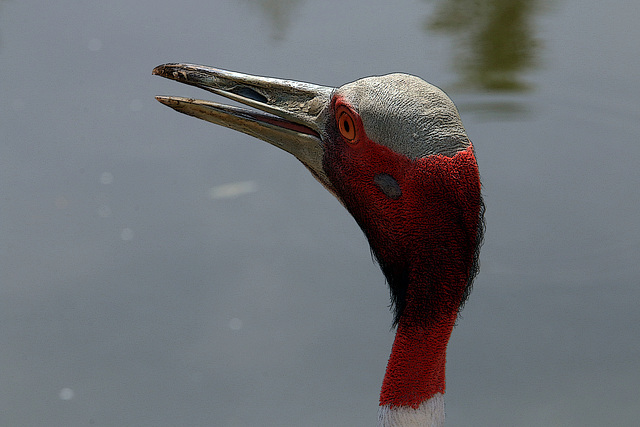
x=428 y=236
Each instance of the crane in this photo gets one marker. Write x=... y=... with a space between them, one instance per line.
x=392 y=149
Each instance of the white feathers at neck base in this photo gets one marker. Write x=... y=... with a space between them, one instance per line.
x=430 y=413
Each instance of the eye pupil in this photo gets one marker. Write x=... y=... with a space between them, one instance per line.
x=345 y=125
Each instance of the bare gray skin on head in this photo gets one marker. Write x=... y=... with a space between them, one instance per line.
x=407 y=114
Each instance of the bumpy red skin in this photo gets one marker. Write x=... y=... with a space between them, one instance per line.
x=429 y=234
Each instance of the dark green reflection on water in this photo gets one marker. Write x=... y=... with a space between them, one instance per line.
x=279 y=13
x=495 y=41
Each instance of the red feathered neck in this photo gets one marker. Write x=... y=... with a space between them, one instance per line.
x=439 y=275
x=425 y=241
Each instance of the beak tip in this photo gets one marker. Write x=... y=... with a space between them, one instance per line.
x=159 y=70
x=171 y=71
x=167 y=100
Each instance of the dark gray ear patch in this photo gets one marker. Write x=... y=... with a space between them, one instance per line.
x=388 y=185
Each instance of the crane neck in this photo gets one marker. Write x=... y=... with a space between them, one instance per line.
x=416 y=368
x=414 y=383
x=426 y=241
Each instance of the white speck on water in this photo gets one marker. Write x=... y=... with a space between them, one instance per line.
x=94 y=45
x=106 y=178
x=233 y=189
x=66 y=394
x=126 y=234
x=235 y=324
x=135 y=105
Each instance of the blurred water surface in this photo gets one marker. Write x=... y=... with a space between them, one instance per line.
x=156 y=270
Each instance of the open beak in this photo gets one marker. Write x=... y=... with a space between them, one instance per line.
x=291 y=114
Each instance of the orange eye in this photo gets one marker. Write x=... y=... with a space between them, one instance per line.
x=346 y=124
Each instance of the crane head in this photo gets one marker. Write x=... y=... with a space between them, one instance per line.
x=391 y=148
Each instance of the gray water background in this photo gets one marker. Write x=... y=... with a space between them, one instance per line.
x=139 y=288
